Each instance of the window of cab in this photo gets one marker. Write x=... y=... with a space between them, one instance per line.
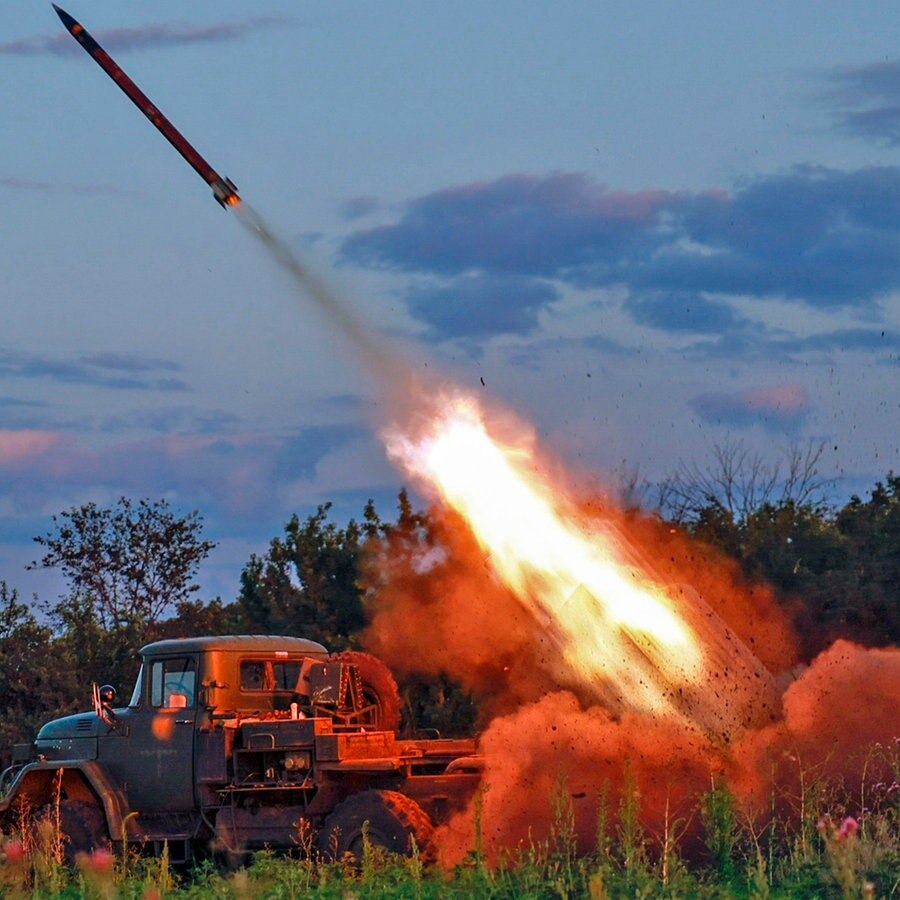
x=173 y=682
x=270 y=674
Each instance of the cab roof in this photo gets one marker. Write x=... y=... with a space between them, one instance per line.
x=236 y=643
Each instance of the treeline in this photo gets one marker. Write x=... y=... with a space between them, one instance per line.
x=130 y=572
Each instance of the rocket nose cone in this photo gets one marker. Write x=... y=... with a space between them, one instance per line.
x=67 y=20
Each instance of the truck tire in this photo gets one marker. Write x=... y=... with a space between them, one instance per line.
x=379 y=689
x=83 y=828
x=392 y=820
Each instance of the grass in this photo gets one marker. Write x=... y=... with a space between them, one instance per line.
x=813 y=848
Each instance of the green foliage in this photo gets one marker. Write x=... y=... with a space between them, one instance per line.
x=34 y=681
x=720 y=827
x=129 y=563
x=307 y=583
x=838 y=571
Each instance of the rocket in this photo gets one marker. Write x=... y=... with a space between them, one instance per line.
x=223 y=189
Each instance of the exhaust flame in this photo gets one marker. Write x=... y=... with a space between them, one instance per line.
x=620 y=636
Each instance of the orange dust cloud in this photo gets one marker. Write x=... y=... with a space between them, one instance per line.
x=841 y=723
x=836 y=714
x=554 y=750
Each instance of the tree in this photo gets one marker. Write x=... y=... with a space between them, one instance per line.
x=32 y=682
x=871 y=530
x=127 y=564
x=739 y=482
x=307 y=582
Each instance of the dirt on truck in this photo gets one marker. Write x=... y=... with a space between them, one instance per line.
x=235 y=743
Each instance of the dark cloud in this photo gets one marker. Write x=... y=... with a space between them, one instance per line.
x=681 y=311
x=778 y=408
x=826 y=238
x=519 y=224
x=102 y=370
x=865 y=100
x=480 y=305
x=143 y=37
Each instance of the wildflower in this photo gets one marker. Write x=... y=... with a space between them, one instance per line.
x=14 y=851
x=99 y=861
x=848 y=829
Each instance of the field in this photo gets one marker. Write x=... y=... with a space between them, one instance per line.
x=816 y=849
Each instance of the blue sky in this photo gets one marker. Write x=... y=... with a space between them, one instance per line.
x=648 y=228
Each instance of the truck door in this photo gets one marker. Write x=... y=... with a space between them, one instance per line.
x=151 y=754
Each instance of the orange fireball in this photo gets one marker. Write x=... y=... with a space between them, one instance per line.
x=619 y=635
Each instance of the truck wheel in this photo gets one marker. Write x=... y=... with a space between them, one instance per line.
x=379 y=689
x=392 y=821
x=83 y=828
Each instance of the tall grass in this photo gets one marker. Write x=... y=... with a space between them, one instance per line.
x=815 y=841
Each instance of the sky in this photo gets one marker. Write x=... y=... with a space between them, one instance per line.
x=649 y=229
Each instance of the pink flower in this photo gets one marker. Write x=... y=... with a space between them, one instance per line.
x=848 y=828
x=99 y=861
x=14 y=850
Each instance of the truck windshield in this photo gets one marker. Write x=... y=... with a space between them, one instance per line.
x=136 y=693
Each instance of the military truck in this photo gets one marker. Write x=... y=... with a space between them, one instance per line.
x=234 y=743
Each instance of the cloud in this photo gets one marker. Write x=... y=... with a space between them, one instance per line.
x=143 y=37
x=779 y=408
x=227 y=474
x=493 y=254
x=480 y=305
x=523 y=224
x=298 y=455
x=17 y=403
x=753 y=340
x=681 y=311
x=170 y=419
x=102 y=370
x=865 y=100
x=357 y=207
x=18 y=446
x=825 y=238
x=25 y=184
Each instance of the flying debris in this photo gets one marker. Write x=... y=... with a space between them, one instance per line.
x=223 y=189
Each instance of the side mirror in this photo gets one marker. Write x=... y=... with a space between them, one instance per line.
x=108 y=695
x=103 y=698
